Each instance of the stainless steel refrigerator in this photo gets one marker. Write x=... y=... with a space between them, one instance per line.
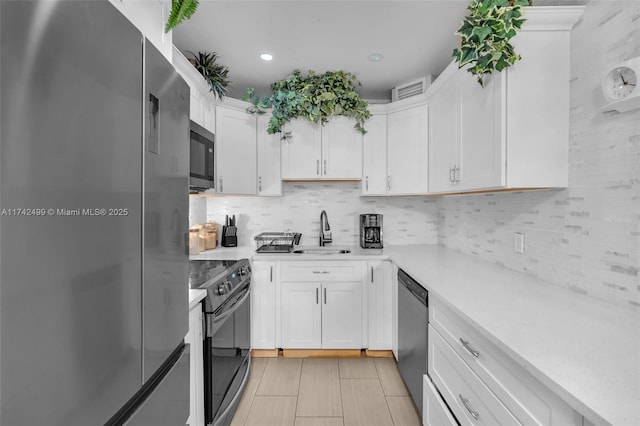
x=93 y=193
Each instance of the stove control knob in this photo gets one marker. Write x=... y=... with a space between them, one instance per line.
x=244 y=271
x=223 y=288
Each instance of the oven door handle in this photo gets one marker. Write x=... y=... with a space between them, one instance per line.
x=234 y=307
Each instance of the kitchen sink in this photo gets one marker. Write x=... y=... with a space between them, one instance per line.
x=321 y=250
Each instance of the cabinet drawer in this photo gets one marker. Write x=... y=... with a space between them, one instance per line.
x=435 y=411
x=471 y=401
x=321 y=271
x=528 y=399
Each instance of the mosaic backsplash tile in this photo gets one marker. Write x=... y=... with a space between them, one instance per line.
x=586 y=237
x=407 y=220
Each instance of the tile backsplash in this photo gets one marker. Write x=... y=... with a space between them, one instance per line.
x=407 y=220
x=586 y=237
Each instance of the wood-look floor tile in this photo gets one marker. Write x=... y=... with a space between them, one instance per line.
x=257 y=367
x=272 y=411
x=390 y=378
x=307 y=361
x=403 y=412
x=357 y=368
x=242 y=411
x=281 y=377
x=319 y=421
x=363 y=403
x=319 y=394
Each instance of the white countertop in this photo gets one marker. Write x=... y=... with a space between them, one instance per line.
x=195 y=297
x=585 y=350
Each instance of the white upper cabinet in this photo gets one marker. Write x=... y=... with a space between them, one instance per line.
x=236 y=157
x=407 y=151
x=269 y=180
x=202 y=102
x=514 y=132
x=341 y=149
x=313 y=152
x=301 y=150
x=374 y=156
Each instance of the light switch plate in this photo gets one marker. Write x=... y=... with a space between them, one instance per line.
x=519 y=242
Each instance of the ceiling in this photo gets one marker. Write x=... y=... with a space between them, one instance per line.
x=415 y=37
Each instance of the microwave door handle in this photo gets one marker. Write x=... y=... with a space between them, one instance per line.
x=234 y=307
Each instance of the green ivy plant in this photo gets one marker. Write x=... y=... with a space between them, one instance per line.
x=315 y=97
x=181 y=10
x=216 y=75
x=485 y=36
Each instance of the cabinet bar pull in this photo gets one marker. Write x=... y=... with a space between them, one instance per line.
x=325 y=167
x=320 y=272
x=469 y=348
x=325 y=295
x=388 y=183
x=372 y=274
x=271 y=274
x=221 y=190
x=450 y=173
x=456 y=170
x=260 y=183
x=318 y=167
x=317 y=301
x=468 y=406
x=366 y=182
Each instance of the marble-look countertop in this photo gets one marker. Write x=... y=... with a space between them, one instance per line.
x=585 y=350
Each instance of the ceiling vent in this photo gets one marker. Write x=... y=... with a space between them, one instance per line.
x=412 y=88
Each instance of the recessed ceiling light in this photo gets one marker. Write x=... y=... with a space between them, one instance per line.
x=266 y=57
x=375 y=57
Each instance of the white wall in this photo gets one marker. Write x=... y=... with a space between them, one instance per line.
x=407 y=220
x=586 y=237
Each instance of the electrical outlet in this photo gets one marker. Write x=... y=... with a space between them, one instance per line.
x=519 y=243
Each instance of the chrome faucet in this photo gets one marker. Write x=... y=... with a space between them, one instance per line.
x=325 y=236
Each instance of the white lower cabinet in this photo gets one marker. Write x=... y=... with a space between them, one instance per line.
x=434 y=410
x=321 y=305
x=263 y=305
x=321 y=315
x=380 y=291
x=483 y=385
x=196 y=375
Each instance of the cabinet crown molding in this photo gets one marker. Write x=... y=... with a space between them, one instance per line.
x=556 y=18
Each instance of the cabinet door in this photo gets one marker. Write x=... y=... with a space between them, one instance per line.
x=301 y=150
x=269 y=180
x=235 y=151
x=209 y=108
x=407 y=151
x=196 y=393
x=263 y=306
x=374 y=156
x=300 y=310
x=482 y=144
x=196 y=110
x=434 y=409
x=394 y=310
x=342 y=315
x=443 y=113
x=341 y=149
x=380 y=305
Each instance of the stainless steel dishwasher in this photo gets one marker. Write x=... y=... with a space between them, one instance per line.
x=413 y=317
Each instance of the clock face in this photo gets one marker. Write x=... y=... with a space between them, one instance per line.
x=620 y=83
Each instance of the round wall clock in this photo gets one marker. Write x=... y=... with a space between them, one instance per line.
x=620 y=86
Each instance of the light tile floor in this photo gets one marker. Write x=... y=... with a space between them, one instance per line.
x=325 y=392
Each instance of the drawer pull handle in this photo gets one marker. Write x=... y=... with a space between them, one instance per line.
x=468 y=406
x=469 y=348
x=320 y=272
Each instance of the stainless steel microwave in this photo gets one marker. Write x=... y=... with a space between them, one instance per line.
x=202 y=159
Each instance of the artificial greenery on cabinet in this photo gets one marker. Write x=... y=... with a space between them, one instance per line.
x=216 y=75
x=314 y=97
x=181 y=10
x=485 y=35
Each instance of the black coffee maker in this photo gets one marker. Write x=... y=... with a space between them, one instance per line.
x=371 y=231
